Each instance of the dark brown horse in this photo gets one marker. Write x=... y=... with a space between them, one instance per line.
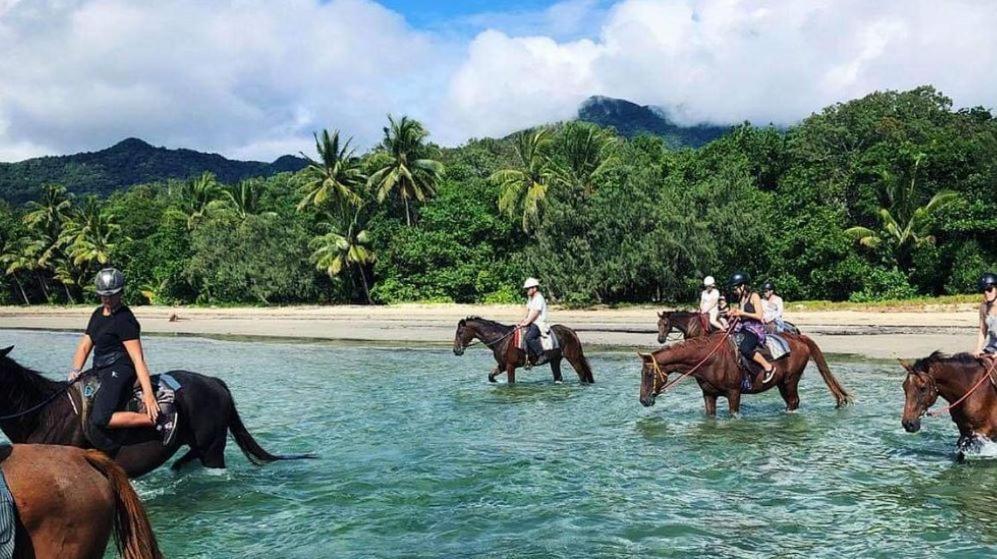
x=40 y=410
x=688 y=324
x=962 y=381
x=70 y=500
x=499 y=338
x=713 y=361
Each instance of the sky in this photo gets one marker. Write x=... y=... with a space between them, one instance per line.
x=253 y=79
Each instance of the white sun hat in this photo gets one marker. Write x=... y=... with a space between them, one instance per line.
x=708 y=281
x=531 y=282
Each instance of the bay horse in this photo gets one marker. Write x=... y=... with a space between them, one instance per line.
x=69 y=501
x=207 y=415
x=966 y=382
x=714 y=362
x=508 y=357
x=691 y=324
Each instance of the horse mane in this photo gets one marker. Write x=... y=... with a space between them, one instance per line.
x=940 y=358
x=486 y=321
x=36 y=383
x=691 y=343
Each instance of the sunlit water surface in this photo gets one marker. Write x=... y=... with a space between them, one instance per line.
x=421 y=457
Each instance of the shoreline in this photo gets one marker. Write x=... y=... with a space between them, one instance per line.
x=877 y=334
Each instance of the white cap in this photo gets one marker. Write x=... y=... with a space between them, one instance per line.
x=708 y=281
x=531 y=282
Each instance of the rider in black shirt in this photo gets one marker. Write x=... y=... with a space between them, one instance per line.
x=113 y=336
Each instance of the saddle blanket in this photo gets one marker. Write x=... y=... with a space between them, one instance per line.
x=777 y=345
x=8 y=517
x=548 y=342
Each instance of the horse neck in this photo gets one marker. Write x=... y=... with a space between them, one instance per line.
x=956 y=380
x=684 y=356
x=25 y=388
x=686 y=322
x=489 y=332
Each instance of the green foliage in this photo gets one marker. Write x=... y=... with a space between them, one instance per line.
x=599 y=218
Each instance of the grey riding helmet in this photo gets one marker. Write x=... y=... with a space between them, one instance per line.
x=109 y=281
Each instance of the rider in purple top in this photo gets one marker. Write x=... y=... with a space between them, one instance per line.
x=750 y=324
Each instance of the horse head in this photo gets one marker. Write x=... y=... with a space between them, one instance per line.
x=461 y=337
x=652 y=379
x=664 y=326
x=920 y=393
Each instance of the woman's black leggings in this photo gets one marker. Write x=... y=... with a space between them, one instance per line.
x=116 y=382
x=749 y=343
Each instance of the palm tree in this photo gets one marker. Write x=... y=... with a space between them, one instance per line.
x=243 y=199
x=524 y=189
x=903 y=224
x=335 y=178
x=336 y=251
x=12 y=261
x=408 y=169
x=47 y=214
x=90 y=234
x=584 y=153
x=195 y=197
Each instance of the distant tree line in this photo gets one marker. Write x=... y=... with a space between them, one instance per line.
x=890 y=196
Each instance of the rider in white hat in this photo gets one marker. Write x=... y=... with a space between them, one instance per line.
x=709 y=301
x=536 y=319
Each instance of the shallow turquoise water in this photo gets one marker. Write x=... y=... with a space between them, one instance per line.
x=421 y=457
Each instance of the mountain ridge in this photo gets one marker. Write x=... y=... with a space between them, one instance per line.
x=630 y=119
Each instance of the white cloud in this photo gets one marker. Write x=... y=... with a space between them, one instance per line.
x=728 y=60
x=254 y=78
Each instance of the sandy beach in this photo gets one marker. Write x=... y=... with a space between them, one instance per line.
x=874 y=334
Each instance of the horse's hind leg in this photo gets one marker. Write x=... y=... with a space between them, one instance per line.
x=184 y=460
x=734 y=401
x=710 y=402
x=493 y=374
x=555 y=367
x=213 y=456
x=790 y=393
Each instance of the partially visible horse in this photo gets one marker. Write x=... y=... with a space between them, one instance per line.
x=966 y=382
x=70 y=500
x=694 y=324
x=207 y=415
x=715 y=364
x=499 y=338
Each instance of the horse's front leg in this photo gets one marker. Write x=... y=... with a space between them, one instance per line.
x=510 y=372
x=734 y=401
x=495 y=371
x=710 y=401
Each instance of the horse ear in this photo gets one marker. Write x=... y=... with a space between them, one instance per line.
x=644 y=356
x=906 y=365
x=661 y=314
x=6 y=350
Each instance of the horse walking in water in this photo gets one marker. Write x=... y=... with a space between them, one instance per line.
x=693 y=325
x=499 y=338
x=714 y=362
x=70 y=500
x=38 y=410
x=966 y=382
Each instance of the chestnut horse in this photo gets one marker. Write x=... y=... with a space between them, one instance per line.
x=962 y=380
x=70 y=500
x=714 y=363
x=499 y=337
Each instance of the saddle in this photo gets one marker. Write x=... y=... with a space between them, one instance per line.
x=774 y=349
x=548 y=342
x=164 y=386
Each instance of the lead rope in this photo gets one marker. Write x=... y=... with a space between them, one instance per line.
x=661 y=374
x=978 y=384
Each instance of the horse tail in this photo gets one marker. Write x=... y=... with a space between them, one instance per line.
x=132 y=532
x=840 y=394
x=248 y=445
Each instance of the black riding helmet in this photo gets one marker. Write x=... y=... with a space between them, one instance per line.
x=988 y=279
x=738 y=278
x=109 y=281
x=768 y=286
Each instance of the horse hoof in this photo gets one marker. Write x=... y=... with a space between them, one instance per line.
x=491 y=379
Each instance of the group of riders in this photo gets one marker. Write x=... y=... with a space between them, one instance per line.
x=113 y=336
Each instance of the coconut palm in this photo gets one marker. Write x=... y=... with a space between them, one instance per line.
x=242 y=199
x=903 y=224
x=337 y=251
x=196 y=197
x=90 y=234
x=524 y=189
x=335 y=178
x=12 y=261
x=584 y=152
x=48 y=213
x=408 y=169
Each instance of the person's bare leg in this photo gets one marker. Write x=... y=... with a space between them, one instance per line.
x=126 y=419
x=766 y=366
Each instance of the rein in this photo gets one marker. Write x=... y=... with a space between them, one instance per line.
x=662 y=377
x=65 y=388
x=978 y=384
x=493 y=342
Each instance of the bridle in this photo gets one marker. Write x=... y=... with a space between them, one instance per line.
x=987 y=375
x=490 y=344
x=661 y=384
